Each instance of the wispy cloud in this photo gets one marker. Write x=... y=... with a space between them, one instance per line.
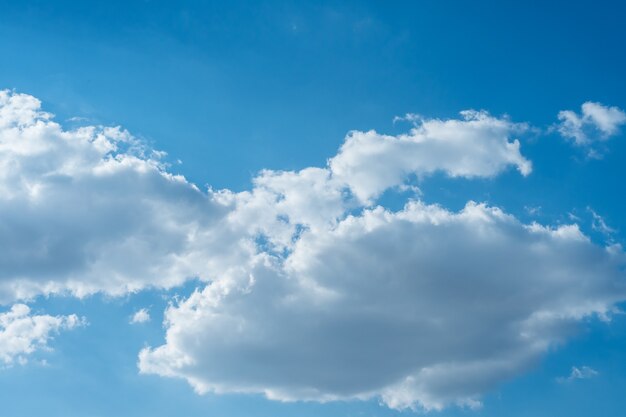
x=583 y=372
x=140 y=316
x=599 y=224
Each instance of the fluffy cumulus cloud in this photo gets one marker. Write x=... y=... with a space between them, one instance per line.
x=22 y=333
x=596 y=122
x=92 y=209
x=311 y=290
x=477 y=145
x=423 y=307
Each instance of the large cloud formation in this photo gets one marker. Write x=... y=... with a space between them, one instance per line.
x=423 y=307
x=92 y=209
x=312 y=290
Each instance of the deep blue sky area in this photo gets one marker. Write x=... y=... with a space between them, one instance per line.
x=285 y=81
x=228 y=88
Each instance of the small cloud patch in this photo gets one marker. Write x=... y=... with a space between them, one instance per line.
x=140 y=316
x=596 y=123
x=584 y=372
x=22 y=333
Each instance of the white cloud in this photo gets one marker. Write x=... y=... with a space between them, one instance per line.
x=598 y=224
x=312 y=291
x=596 y=122
x=476 y=146
x=423 y=308
x=92 y=209
x=22 y=333
x=533 y=210
x=583 y=372
x=141 y=316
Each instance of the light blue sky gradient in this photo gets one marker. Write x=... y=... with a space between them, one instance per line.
x=231 y=88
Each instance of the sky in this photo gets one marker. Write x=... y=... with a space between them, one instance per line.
x=284 y=208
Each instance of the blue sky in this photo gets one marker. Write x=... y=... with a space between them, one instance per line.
x=96 y=228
